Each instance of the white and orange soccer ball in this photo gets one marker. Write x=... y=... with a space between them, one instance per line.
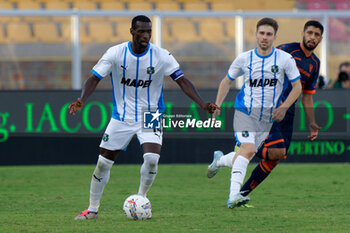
x=137 y=207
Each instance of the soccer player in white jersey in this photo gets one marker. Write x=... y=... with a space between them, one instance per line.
x=137 y=70
x=265 y=70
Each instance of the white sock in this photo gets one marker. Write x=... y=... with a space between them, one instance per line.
x=99 y=179
x=226 y=160
x=239 y=169
x=148 y=172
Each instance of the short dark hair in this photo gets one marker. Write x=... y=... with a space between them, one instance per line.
x=343 y=64
x=267 y=21
x=314 y=23
x=141 y=18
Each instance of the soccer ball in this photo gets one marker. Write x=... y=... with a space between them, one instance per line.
x=137 y=207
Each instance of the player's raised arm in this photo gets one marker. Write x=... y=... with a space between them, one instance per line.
x=88 y=88
x=190 y=90
x=280 y=112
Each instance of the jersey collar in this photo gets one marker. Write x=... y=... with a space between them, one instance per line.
x=256 y=52
x=301 y=47
x=137 y=55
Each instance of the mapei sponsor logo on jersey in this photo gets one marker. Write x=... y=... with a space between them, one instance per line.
x=136 y=83
x=263 y=83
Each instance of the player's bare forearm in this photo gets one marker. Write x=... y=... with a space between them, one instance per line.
x=223 y=90
x=280 y=112
x=293 y=95
x=89 y=87
x=308 y=104
x=189 y=89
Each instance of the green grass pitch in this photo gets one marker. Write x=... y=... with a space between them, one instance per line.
x=295 y=198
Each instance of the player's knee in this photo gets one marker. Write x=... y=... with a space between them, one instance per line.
x=276 y=153
x=247 y=150
x=151 y=159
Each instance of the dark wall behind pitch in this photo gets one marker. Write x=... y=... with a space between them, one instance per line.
x=50 y=150
x=26 y=145
x=85 y=150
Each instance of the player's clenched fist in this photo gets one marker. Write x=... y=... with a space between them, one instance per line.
x=211 y=107
x=279 y=113
x=75 y=106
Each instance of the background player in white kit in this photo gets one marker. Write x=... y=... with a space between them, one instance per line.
x=137 y=70
x=258 y=104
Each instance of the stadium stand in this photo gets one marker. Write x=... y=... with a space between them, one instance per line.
x=264 y=5
x=103 y=32
x=167 y=6
x=166 y=31
x=56 y=5
x=212 y=31
x=139 y=6
x=178 y=25
x=342 y=5
x=288 y=25
x=221 y=6
x=229 y=28
x=317 y=5
x=25 y=5
x=2 y=33
x=20 y=32
x=65 y=27
x=6 y=5
x=85 y=33
x=112 y=5
x=250 y=29
x=204 y=39
x=122 y=28
x=84 y=5
x=337 y=30
x=189 y=5
x=279 y=5
x=194 y=6
x=46 y=32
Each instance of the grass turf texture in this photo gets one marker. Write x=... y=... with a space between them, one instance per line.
x=295 y=198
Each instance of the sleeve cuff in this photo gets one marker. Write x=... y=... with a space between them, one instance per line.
x=296 y=79
x=309 y=91
x=96 y=74
x=229 y=77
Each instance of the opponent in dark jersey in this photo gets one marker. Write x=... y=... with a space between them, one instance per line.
x=276 y=145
